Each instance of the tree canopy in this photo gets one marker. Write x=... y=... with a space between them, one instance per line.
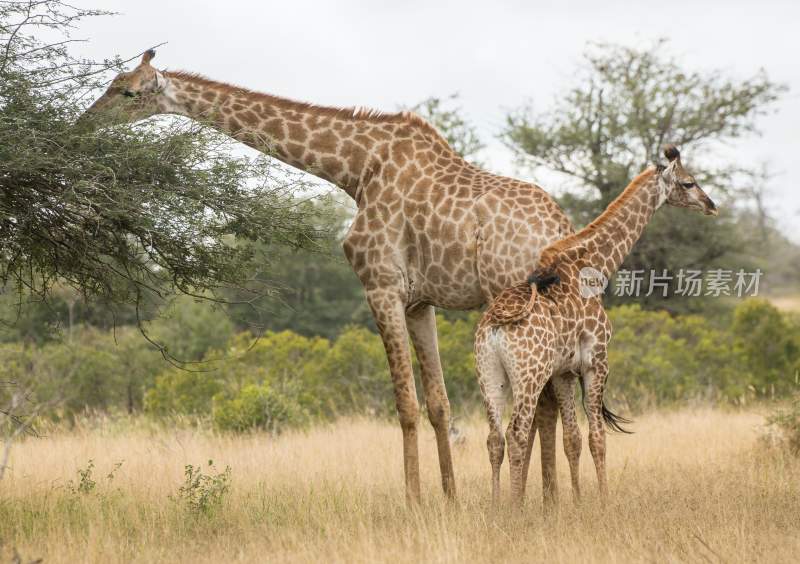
x=123 y=214
x=625 y=105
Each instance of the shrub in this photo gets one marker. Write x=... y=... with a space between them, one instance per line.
x=202 y=493
x=768 y=345
x=190 y=327
x=456 y=349
x=257 y=407
x=655 y=358
x=284 y=379
x=86 y=482
x=89 y=370
x=288 y=362
x=184 y=392
x=354 y=377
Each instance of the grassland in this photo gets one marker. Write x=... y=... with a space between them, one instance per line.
x=690 y=486
x=788 y=302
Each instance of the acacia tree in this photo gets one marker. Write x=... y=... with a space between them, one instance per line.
x=627 y=103
x=130 y=214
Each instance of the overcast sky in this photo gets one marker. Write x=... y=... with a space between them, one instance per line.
x=497 y=55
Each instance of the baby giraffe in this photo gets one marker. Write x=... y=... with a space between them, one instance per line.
x=554 y=325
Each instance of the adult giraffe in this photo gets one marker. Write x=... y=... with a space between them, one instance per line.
x=431 y=229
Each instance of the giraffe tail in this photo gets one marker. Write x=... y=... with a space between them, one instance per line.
x=511 y=305
x=542 y=280
x=613 y=421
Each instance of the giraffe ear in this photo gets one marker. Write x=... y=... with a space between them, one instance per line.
x=148 y=56
x=671 y=152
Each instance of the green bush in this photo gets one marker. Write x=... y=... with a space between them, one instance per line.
x=257 y=408
x=655 y=358
x=89 y=370
x=192 y=327
x=184 y=392
x=354 y=377
x=202 y=493
x=456 y=350
x=283 y=379
x=769 y=345
x=288 y=362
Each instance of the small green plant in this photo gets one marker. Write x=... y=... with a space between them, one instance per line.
x=86 y=483
x=110 y=476
x=203 y=492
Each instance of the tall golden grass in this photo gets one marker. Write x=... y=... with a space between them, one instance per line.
x=689 y=486
x=789 y=302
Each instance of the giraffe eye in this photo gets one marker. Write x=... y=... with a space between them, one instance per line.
x=688 y=185
x=129 y=93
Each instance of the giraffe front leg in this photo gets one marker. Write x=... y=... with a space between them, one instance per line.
x=564 y=388
x=389 y=312
x=594 y=377
x=422 y=328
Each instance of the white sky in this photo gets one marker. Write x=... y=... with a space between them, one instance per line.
x=498 y=55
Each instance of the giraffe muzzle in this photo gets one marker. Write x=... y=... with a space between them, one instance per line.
x=709 y=207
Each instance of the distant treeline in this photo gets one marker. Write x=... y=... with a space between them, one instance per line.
x=284 y=379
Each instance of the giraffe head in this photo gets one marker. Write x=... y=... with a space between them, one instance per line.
x=132 y=95
x=680 y=187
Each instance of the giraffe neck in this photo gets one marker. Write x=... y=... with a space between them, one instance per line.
x=331 y=143
x=607 y=240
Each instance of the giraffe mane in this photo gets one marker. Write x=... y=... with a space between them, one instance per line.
x=354 y=112
x=553 y=252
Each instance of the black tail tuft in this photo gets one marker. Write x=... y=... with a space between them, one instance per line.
x=543 y=280
x=614 y=422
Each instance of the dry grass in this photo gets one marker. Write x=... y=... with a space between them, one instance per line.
x=790 y=303
x=688 y=486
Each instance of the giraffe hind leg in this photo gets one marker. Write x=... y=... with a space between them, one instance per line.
x=494 y=387
x=564 y=388
x=545 y=423
x=527 y=384
x=594 y=377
